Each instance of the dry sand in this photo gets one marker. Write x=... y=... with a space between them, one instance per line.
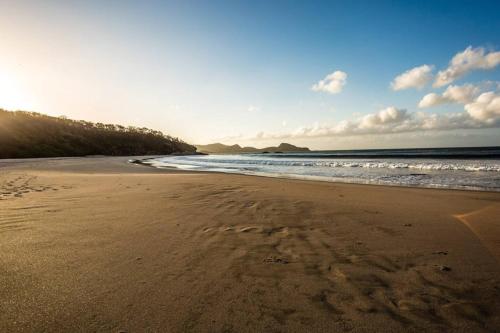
x=96 y=244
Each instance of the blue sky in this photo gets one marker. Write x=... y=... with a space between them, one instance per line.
x=243 y=72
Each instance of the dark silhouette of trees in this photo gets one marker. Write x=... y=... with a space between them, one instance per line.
x=30 y=134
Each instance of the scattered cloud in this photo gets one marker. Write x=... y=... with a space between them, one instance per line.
x=333 y=83
x=484 y=112
x=481 y=110
x=390 y=115
x=461 y=94
x=432 y=99
x=485 y=108
x=463 y=62
x=416 y=77
x=453 y=94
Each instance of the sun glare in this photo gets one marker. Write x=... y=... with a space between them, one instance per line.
x=12 y=95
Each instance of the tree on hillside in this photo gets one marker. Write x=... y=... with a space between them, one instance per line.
x=30 y=134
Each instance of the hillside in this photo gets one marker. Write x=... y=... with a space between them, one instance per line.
x=219 y=148
x=29 y=134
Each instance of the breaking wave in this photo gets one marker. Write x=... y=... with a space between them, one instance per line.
x=475 y=174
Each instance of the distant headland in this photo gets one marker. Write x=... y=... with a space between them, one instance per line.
x=219 y=148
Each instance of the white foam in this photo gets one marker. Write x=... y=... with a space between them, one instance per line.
x=442 y=173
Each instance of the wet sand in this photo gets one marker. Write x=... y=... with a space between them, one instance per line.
x=97 y=244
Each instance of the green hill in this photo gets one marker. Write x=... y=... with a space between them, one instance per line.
x=29 y=134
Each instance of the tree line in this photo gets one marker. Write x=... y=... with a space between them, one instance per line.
x=30 y=134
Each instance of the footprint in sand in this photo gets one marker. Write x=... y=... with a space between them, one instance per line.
x=444 y=268
x=248 y=229
x=276 y=260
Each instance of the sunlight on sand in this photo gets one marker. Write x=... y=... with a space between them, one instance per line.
x=483 y=224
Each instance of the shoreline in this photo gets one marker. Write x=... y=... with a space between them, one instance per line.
x=138 y=160
x=311 y=178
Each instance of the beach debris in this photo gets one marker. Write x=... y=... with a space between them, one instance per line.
x=407 y=225
x=276 y=260
x=444 y=253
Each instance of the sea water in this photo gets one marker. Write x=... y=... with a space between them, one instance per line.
x=456 y=168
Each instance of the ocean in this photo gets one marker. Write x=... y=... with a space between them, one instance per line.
x=453 y=168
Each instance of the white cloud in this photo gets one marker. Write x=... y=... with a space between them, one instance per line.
x=333 y=83
x=461 y=94
x=463 y=62
x=485 y=108
x=390 y=115
x=483 y=113
x=453 y=94
x=431 y=99
x=416 y=77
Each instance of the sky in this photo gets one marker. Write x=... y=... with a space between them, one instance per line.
x=327 y=75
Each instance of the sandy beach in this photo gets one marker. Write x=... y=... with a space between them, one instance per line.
x=102 y=245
